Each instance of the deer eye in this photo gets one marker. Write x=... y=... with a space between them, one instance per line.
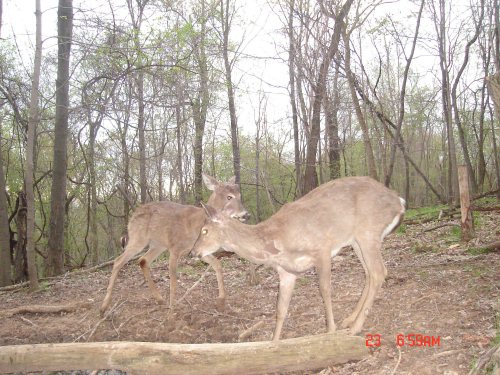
x=204 y=231
x=229 y=197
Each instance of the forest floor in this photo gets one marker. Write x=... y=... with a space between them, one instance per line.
x=436 y=286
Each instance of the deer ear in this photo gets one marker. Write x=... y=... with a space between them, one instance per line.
x=209 y=210
x=232 y=180
x=210 y=182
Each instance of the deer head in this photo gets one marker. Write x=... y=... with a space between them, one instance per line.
x=226 y=197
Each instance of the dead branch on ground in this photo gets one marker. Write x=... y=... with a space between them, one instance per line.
x=44 y=309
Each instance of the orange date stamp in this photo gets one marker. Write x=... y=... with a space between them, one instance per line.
x=374 y=340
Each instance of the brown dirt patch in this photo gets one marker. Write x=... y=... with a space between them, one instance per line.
x=434 y=288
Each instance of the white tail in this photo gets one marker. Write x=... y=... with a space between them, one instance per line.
x=352 y=211
x=170 y=226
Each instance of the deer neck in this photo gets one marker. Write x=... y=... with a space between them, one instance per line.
x=248 y=241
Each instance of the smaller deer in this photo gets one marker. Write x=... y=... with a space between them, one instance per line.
x=355 y=211
x=171 y=226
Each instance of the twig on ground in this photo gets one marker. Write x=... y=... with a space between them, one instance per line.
x=43 y=309
x=194 y=285
x=441 y=226
x=108 y=313
x=248 y=332
x=28 y=321
x=399 y=361
x=484 y=360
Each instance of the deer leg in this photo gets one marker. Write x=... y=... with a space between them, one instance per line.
x=145 y=262
x=172 y=273
x=370 y=251
x=132 y=248
x=324 y=269
x=287 y=283
x=347 y=322
x=217 y=266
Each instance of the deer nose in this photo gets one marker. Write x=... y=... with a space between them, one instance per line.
x=194 y=254
x=246 y=216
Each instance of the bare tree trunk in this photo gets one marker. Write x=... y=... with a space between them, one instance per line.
x=200 y=107
x=142 y=141
x=20 y=256
x=55 y=254
x=440 y=24
x=139 y=81
x=257 y=170
x=370 y=159
x=458 y=122
x=92 y=209
x=494 y=88
x=319 y=91
x=5 y=262
x=226 y=19
x=30 y=154
x=180 y=171
x=293 y=100
x=332 y=127
x=402 y=98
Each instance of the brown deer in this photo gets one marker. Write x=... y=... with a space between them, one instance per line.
x=175 y=227
x=351 y=211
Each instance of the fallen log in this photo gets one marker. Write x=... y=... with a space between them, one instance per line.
x=302 y=353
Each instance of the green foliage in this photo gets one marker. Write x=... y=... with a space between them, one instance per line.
x=422 y=213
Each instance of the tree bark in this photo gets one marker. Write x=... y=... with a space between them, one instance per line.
x=494 y=89
x=370 y=158
x=303 y=353
x=332 y=128
x=402 y=99
x=55 y=254
x=319 y=90
x=453 y=191
x=293 y=100
x=454 y=98
x=20 y=255
x=200 y=108
x=226 y=26
x=5 y=262
x=180 y=170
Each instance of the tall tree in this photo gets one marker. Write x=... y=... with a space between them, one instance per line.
x=351 y=79
x=30 y=154
x=332 y=102
x=137 y=18
x=200 y=103
x=319 y=91
x=226 y=17
x=440 y=21
x=55 y=254
x=293 y=97
x=402 y=98
x=5 y=272
x=454 y=101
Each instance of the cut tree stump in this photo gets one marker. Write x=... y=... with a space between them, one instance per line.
x=303 y=353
